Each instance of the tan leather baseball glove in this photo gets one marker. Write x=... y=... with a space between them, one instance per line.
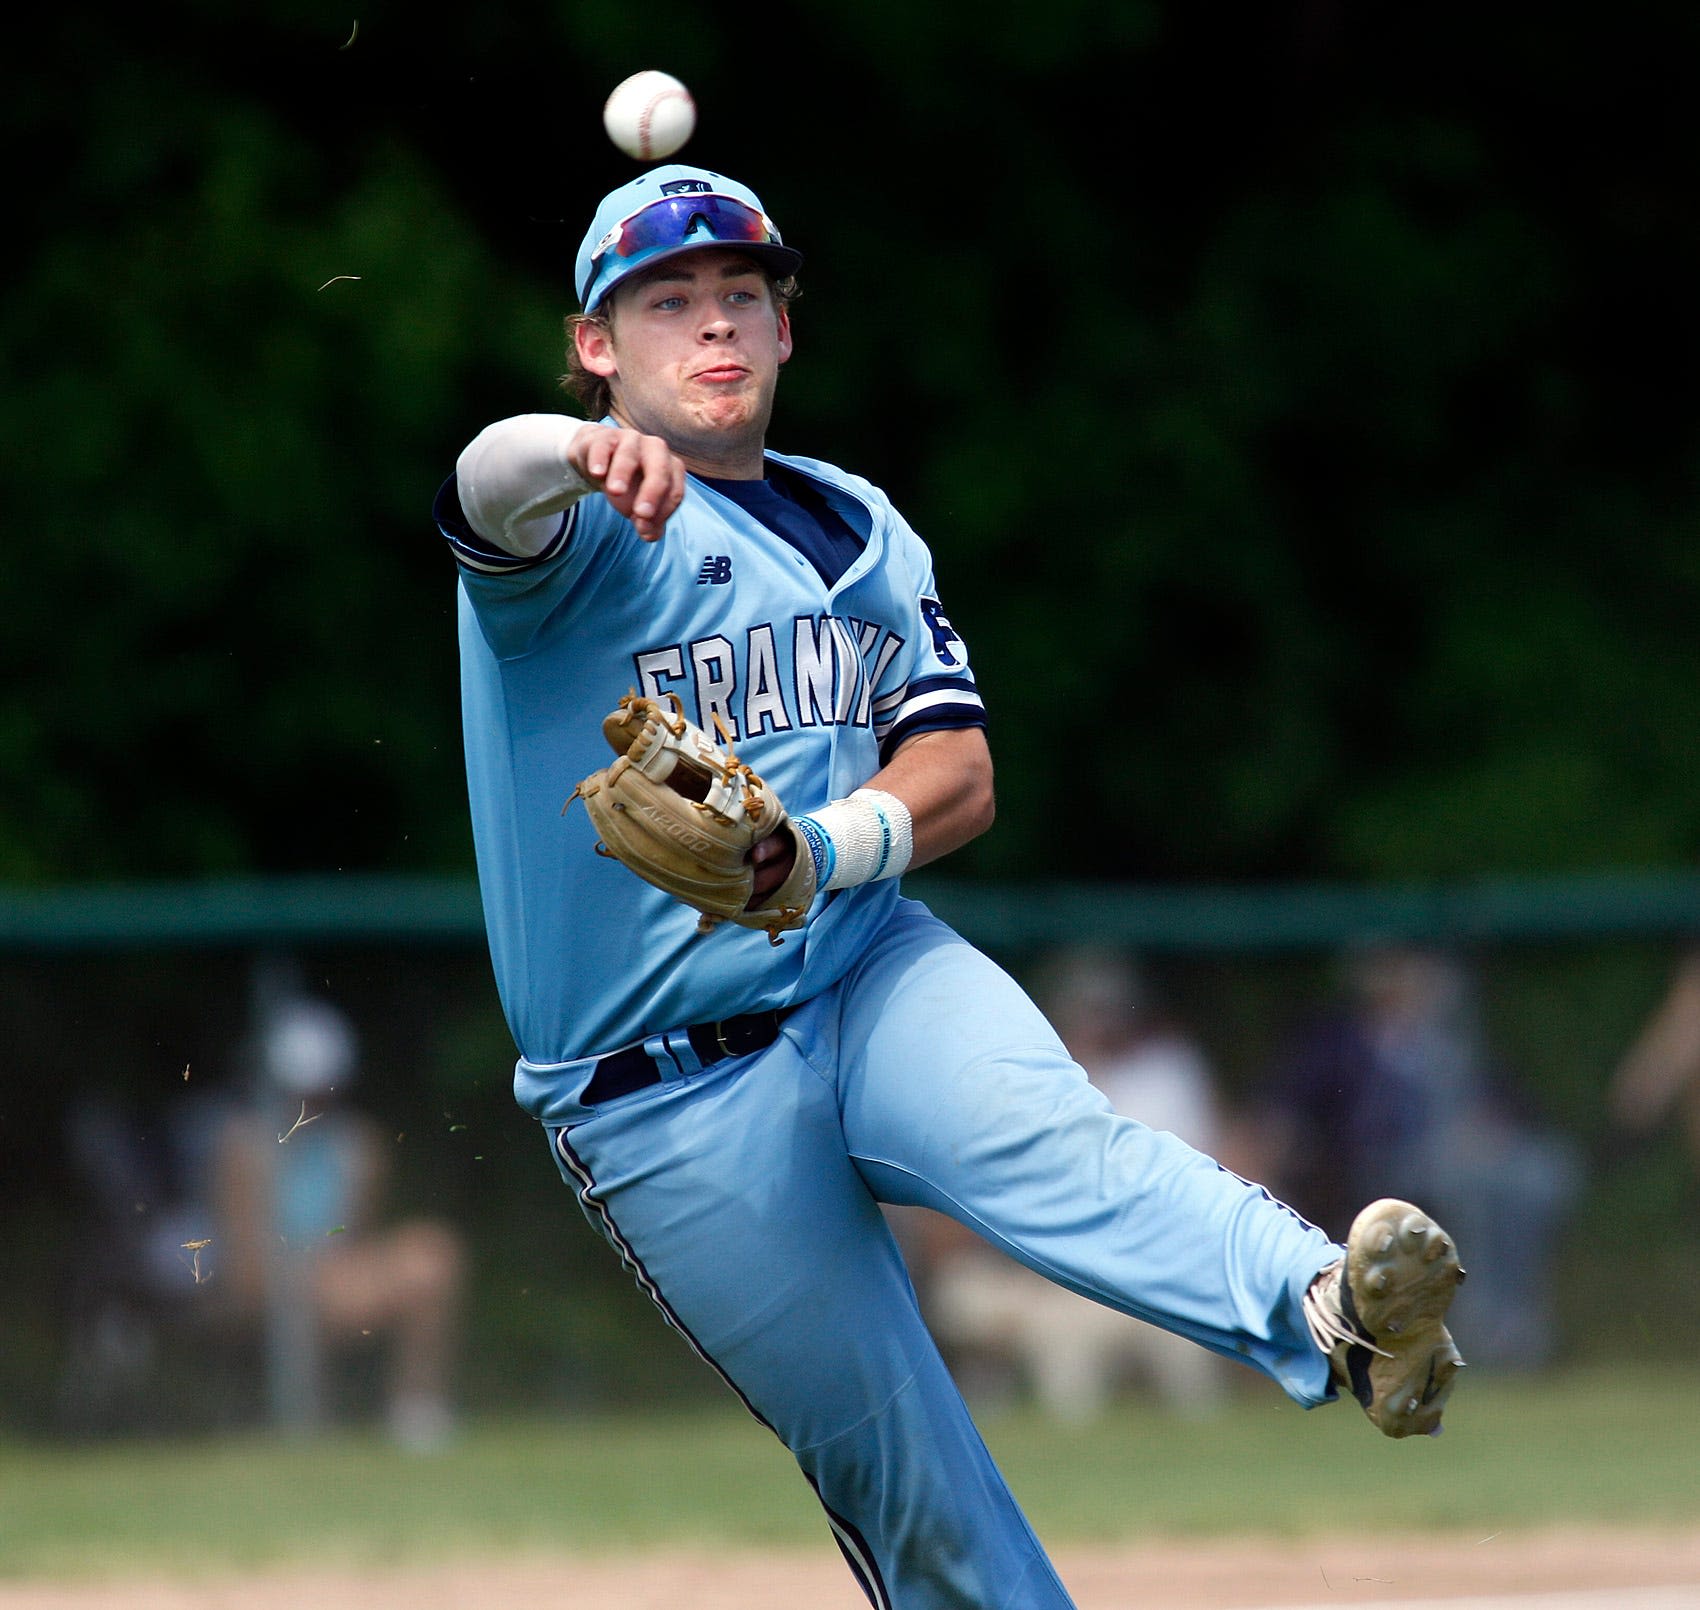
x=683 y=813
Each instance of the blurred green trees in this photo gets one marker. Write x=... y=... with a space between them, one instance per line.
x=1310 y=464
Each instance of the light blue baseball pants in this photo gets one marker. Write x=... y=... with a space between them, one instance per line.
x=745 y=1200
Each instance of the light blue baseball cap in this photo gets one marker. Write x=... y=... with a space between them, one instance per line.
x=671 y=210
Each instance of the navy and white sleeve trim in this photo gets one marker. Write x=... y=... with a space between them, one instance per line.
x=474 y=553
x=930 y=704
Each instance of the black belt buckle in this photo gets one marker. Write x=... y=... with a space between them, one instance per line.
x=734 y=1036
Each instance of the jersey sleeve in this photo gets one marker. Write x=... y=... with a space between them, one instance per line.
x=516 y=599
x=477 y=554
x=929 y=685
x=940 y=692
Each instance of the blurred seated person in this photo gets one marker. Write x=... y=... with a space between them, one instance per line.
x=136 y=1288
x=1659 y=1076
x=300 y=1244
x=1074 y=1353
x=1392 y=1092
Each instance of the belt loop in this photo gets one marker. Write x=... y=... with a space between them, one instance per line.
x=676 y=1044
x=655 y=1047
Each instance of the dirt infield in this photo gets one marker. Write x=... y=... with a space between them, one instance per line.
x=1225 y=1575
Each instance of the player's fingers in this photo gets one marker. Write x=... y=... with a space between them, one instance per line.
x=640 y=475
x=607 y=456
x=771 y=859
x=625 y=460
x=592 y=452
x=658 y=489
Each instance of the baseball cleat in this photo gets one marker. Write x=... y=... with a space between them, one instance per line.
x=1380 y=1317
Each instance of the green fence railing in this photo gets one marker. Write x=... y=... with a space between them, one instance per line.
x=444 y=910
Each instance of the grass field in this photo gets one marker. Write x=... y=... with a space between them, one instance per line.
x=1582 y=1448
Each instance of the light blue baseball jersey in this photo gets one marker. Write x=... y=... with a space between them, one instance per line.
x=816 y=685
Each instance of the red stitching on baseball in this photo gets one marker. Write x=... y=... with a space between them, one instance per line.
x=647 y=116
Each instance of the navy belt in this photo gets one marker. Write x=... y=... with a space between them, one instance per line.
x=621 y=1072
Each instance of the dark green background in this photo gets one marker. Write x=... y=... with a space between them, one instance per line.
x=1310 y=387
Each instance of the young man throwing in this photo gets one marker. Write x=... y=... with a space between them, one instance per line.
x=733 y=1095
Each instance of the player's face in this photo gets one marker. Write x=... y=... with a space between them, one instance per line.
x=694 y=357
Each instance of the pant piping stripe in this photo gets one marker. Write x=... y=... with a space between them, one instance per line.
x=646 y=1283
x=857 y=1555
x=851 y=1544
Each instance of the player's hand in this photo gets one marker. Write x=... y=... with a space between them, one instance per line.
x=772 y=859
x=640 y=475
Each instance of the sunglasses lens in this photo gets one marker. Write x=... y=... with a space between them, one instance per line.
x=675 y=219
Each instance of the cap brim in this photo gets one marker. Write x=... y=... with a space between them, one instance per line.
x=781 y=261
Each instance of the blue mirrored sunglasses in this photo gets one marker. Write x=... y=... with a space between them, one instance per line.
x=673 y=220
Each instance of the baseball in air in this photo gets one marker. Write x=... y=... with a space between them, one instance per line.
x=650 y=115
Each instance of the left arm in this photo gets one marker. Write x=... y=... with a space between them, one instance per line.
x=943 y=777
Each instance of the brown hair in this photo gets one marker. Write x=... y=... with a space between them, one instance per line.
x=592 y=392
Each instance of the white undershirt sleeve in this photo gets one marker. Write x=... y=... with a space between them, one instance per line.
x=515 y=482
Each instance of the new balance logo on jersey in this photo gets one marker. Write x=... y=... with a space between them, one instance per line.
x=716 y=570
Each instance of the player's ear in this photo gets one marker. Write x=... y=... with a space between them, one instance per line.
x=595 y=342
x=784 y=322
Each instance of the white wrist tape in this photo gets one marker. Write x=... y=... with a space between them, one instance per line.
x=514 y=480
x=862 y=839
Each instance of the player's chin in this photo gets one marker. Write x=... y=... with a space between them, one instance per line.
x=726 y=407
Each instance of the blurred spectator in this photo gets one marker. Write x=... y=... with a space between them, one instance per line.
x=1660 y=1073
x=135 y=1289
x=1394 y=1094
x=299 y=1242
x=1075 y=1353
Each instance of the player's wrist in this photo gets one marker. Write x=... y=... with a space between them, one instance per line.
x=862 y=839
x=818 y=846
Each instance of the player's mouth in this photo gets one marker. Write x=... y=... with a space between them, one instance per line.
x=722 y=374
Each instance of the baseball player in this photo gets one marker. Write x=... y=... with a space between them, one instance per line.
x=735 y=669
